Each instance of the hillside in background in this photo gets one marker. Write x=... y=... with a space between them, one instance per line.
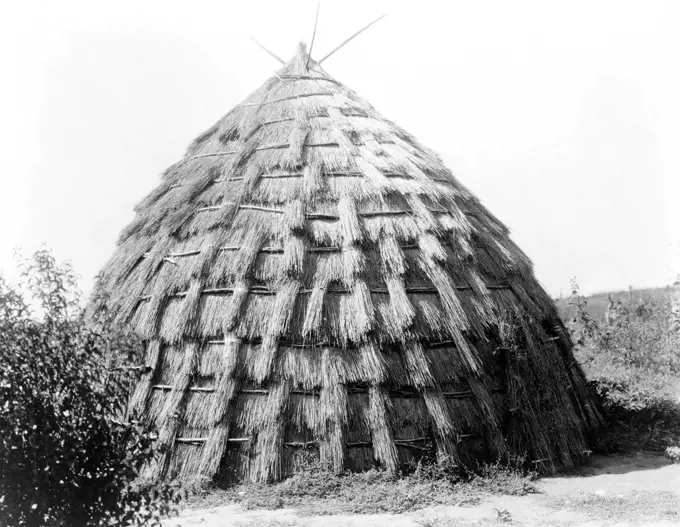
x=598 y=302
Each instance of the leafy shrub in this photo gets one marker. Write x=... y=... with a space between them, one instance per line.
x=66 y=456
x=639 y=333
x=632 y=359
x=673 y=453
x=584 y=329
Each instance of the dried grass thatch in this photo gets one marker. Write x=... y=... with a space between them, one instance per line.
x=310 y=276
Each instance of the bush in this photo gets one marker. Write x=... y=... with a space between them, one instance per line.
x=632 y=359
x=66 y=455
x=673 y=453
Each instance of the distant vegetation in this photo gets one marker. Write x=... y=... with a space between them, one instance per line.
x=628 y=344
x=597 y=303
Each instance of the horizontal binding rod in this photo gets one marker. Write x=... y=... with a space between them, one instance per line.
x=280 y=250
x=256 y=128
x=202 y=439
x=405 y=394
x=335 y=290
x=409 y=443
x=316 y=215
x=586 y=452
x=282 y=146
x=212 y=154
x=370 y=214
x=167 y=388
x=292 y=97
x=307 y=77
x=395 y=394
x=301 y=444
x=325 y=344
x=242 y=206
x=287 y=175
x=254 y=392
x=283 y=343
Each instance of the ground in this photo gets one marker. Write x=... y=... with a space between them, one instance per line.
x=630 y=490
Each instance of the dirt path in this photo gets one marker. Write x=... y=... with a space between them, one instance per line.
x=612 y=491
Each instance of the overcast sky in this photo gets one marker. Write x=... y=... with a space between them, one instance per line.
x=563 y=117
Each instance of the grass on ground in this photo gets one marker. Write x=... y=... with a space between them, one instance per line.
x=313 y=490
x=646 y=505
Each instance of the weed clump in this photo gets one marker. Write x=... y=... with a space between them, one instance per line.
x=673 y=453
x=316 y=489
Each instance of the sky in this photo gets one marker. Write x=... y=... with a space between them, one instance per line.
x=562 y=117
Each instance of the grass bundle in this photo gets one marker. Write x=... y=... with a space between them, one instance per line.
x=417 y=365
x=384 y=447
x=171 y=414
x=266 y=466
x=140 y=396
x=445 y=433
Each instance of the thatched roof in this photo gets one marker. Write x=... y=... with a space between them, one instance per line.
x=310 y=276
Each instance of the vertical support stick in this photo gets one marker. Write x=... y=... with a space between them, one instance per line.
x=352 y=37
x=311 y=46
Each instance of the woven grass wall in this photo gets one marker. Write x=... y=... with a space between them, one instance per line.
x=310 y=276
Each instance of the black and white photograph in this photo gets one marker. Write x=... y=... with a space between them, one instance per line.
x=340 y=263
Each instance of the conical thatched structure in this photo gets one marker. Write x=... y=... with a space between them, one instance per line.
x=310 y=276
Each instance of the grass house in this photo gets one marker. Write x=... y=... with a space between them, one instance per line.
x=309 y=276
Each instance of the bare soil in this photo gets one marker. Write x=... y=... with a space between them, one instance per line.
x=633 y=490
